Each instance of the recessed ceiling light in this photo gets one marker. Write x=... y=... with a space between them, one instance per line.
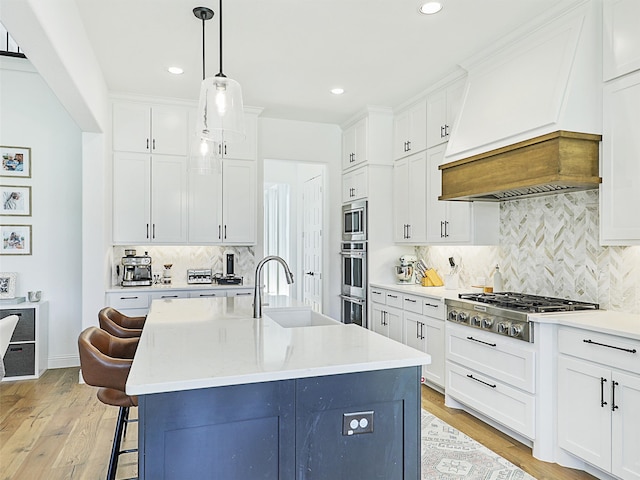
x=429 y=8
x=175 y=70
x=337 y=91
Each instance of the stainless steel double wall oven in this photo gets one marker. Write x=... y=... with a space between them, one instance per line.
x=354 y=263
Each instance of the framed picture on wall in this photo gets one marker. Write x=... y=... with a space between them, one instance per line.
x=16 y=162
x=15 y=239
x=8 y=285
x=15 y=200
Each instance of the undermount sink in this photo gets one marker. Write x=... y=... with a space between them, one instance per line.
x=298 y=317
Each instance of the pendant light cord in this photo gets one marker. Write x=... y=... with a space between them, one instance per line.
x=203 y=56
x=220 y=74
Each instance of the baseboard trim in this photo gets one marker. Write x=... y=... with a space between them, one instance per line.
x=63 y=361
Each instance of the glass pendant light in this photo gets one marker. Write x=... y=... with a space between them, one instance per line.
x=220 y=109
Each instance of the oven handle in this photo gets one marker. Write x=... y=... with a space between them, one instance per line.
x=352 y=254
x=359 y=301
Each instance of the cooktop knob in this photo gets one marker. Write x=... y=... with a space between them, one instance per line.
x=475 y=321
x=503 y=328
x=515 y=330
x=463 y=317
x=487 y=322
x=453 y=315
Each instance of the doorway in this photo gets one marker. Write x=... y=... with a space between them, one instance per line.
x=293 y=224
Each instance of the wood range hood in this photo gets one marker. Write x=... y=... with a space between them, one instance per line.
x=557 y=162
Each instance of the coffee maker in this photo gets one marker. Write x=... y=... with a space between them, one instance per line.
x=136 y=270
x=405 y=272
x=228 y=270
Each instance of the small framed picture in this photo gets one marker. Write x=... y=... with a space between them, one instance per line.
x=7 y=285
x=15 y=200
x=16 y=239
x=16 y=162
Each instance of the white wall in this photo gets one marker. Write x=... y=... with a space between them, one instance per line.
x=314 y=143
x=32 y=116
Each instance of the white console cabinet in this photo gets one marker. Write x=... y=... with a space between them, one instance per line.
x=27 y=354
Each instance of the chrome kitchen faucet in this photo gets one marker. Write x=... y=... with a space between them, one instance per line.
x=257 y=282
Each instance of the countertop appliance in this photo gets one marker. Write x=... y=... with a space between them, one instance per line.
x=405 y=272
x=506 y=313
x=199 y=275
x=136 y=270
x=228 y=276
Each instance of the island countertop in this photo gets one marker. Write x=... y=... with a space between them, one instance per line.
x=197 y=343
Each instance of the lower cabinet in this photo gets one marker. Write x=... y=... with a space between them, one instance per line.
x=27 y=354
x=290 y=429
x=137 y=302
x=598 y=398
x=416 y=321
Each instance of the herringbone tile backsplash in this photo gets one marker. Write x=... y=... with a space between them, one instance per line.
x=550 y=246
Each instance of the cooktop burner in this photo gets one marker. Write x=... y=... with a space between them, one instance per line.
x=528 y=303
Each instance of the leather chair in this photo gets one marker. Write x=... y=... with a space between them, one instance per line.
x=119 y=325
x=105 y=361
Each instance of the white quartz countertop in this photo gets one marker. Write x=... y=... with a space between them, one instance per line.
x=208 y=342
x=177 y=286
x=603 y=321
x=415 y=289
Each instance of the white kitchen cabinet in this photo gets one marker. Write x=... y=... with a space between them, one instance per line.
x=620 y=166
x=27 y=354
x=223 y=204
x=149 y=198
x=355 y=184
x=442 y=108
x=157 y=129
x=598 y=395
x=621 y=38
x=387 y=321
x=354 y=144
x=410 y=130
x=247 y=149
x=410 y=199
x=451 y=222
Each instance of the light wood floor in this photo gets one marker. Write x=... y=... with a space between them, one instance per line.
x=54 y=428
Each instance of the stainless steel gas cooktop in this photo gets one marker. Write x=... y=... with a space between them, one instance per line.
x=506 y=313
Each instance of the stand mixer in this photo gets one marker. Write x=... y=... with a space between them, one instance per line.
x=405 y=272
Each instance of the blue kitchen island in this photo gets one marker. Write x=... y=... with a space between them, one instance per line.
x=292 y=395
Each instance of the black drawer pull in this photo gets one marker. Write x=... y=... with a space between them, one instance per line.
x=128 y=298
x=602 y=382
x=480 y=341
x=630 y=350
x=410 y=300
x=208 y=294
x=481 y=381
x=392 y=296
x=430 y=305
x=169 y=296
x=237 y=294
x=614 y=407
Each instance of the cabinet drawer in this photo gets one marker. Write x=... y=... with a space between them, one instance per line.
x=433 y=307
x=20 y=359
x=412 y=303
x=25 y=330
x=506 y=405
x=393 y=299
x=168 y=295
x=121 y=301
x=239 y=293
x=610 y=350
x=207 y=294
x=378 y=295
x=494 y=355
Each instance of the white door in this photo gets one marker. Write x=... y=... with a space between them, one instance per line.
x=312 y=243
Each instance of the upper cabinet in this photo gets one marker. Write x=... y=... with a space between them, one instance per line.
x=451 y=222
x=157 y=129
x=246 y=150
x=366 y=139
x=409 y=199
x=410 y=130
x=355 y=184
x=354 y=144
x=442 y=108
x=621 y=39
x=620 y=166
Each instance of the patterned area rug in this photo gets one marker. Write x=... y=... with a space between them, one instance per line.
x=448 y=454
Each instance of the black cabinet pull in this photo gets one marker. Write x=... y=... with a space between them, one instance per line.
x=410 y=300
x=442 y=134
x=446 y=230
x=128 y=298
x=219 y=232
x=430 y=305
x=630 y=350
x=441 y=229
x=614 y=407
x=480 y=341
x=225 y=232
x=602 y=382
x=147 y=144
x=147 y=230
x=154 y=144
x=169 y=296
x=408 y=146
x=225 y=149
x=391 y=296
x=446 y=130
x=481 y=381
x=153 y=235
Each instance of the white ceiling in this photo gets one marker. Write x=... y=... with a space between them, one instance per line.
x=287 y=54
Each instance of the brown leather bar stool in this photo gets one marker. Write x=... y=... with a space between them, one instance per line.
x=119 y=325
x=105 y=361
